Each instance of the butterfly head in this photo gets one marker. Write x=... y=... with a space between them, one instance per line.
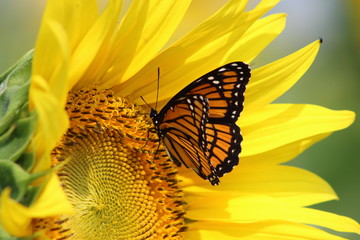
x=153 y=113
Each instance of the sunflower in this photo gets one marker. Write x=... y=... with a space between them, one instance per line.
x=95 y=170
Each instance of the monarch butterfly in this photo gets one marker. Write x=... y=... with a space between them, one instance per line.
x=198 y=125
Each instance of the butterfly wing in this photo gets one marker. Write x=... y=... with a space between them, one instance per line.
x=223 y=89
x=183 y=133
x=223 y=141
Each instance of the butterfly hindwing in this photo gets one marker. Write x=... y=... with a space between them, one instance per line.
x=223 y=146
x=198 y=125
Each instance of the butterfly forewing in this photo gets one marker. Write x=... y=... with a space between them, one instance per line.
x=198 y=125
x=224 y=88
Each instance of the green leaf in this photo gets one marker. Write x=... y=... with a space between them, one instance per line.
x=13 y=176
x=26 y=161
x=31 y=195
x=15 y=140
x=17 y=125
x=14 y=92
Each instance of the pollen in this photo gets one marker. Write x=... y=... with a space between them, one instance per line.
x=115 y=174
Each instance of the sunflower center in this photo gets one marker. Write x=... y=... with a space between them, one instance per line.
x=119 y=186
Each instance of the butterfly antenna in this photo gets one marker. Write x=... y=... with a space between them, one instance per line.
x=145 y=102
x=158 y=87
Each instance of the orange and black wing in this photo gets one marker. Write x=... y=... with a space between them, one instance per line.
x=224 y=88
x=219 y=138
x=183 y=129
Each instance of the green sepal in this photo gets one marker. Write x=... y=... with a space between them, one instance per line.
x=14 y=92
x=26 y=160
x=15 y=177
x=31 y=195
x=15 y=140
x=17 y=126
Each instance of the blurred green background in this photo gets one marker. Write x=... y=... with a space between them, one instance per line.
x=333 y=80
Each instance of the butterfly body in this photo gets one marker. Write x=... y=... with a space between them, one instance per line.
x=198 y=125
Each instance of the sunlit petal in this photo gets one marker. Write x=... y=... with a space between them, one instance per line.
x=289 y=184
x=274 y=79
x=250 y=208
x=277 y=125
x=266 y=230
x=214 y=38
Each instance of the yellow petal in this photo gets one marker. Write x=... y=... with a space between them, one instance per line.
x=74 y=18
x=52 y=121
x=267 y=230
x=51 y=56
x=88 y=48
x=289 y=184
x=83 y=14
x=16 y=218
x=13 y=216
x=277 y=125
x=248 y=208
x=213 y=37
x=145 y=29
x=52 y=200
x=284 y=153
x=48 y=90
x=271 y=81
x=262 y=32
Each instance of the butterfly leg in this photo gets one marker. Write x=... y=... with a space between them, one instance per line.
x=151 y=130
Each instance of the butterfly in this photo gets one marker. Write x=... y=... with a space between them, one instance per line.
x=198 y=125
